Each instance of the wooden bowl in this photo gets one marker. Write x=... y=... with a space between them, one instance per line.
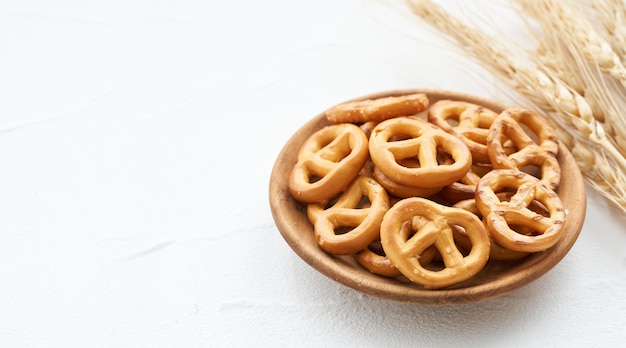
x=496 y=279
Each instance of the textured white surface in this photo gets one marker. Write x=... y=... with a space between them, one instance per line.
x=136 y=142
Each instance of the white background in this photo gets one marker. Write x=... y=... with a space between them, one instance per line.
x=136 y=144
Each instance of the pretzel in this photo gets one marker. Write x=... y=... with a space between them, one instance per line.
x=472 y=124
x=496 y=252
x=393 y=188
x=367 y=127
x=465 y=188
x=400 y=190
x=360 y=221
x=500 y=216
x=431 y=253
x=327 y=162
x=398 y=139
x=378 y=109
x=541 y=153
x=403 y=243
x=373 y=259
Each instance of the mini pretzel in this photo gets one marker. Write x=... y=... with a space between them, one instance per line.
x=473 y=124
x=500 y=216
x=367 y=127
x=378 y=109
x=373 y=259
x=403 y=244
x=465 y=188
x=398 y=139
x=360 y=221
x=400 y=190
x=496 y=252
x=393 y=188
x=327 y=162
x=541 y=153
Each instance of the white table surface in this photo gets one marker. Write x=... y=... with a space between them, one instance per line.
x=136 y=144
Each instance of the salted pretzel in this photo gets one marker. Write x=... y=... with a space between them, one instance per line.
x=393 y=188
x=509 y=125
x=358 y=212
x=367 y=127
x=400 y=190
x=500 y=215
x=496 y=252
x=378 y=109
x=404 y=191
x=327 y=162
x=465 y=188
x=379 y=264
x=467 y=121
x=401 y=138
x=403 y=244
x=373 y=258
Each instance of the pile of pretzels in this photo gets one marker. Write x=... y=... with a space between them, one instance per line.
x=430 y=192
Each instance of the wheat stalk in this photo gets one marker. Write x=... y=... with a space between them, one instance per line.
x=575 y=29
x=585 y=56
x=611 y=15
x=579 y=122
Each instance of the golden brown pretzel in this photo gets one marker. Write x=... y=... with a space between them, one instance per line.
x=373 y=259
x=378 y=109
x=530 y=152
x=400 y=190
x=465 y=188
x=401 y=138
x=327 y=162
x=472 y=124
x=358 y=212
x=403 y=243
x=496 y=252
x=376 y=261
x=367 y=127
x=501 y=215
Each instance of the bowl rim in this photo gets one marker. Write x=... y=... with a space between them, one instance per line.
x=346 y=273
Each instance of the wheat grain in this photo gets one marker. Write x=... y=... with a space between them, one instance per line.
x=596 y=153
x=581 y=51
x=577 y=31
x=611 y=17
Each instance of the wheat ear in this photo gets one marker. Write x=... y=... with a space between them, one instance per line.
x=586 y=56
x=580 y=132
x=611 y=17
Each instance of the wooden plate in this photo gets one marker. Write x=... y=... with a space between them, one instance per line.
x=497 y=278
